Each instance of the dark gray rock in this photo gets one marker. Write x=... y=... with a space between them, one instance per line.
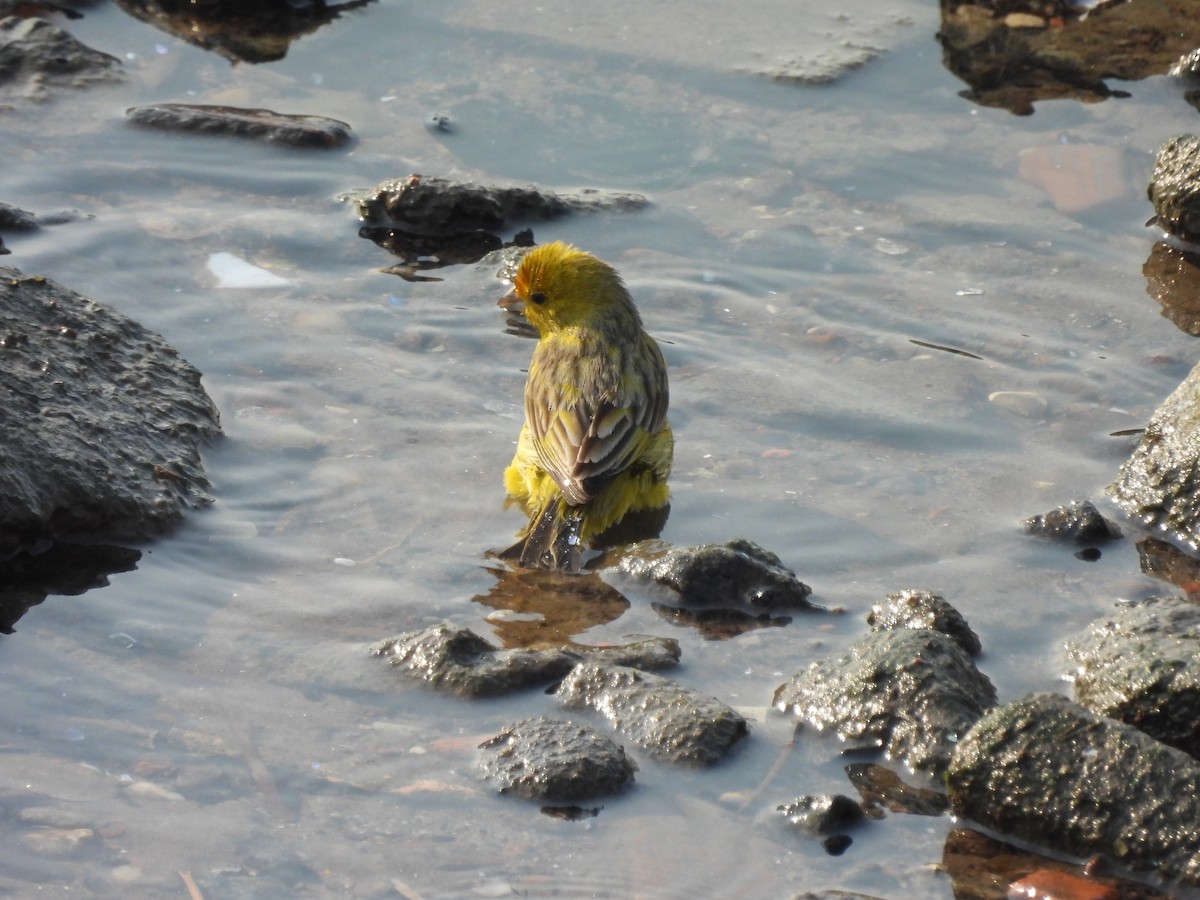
x=428 y=202
x=1174 y=188
x=460 y=662
x=14 y=218
x=1160 y=482
x=1141 y=665
x=912 y=693
x=36 y=55
x=549 y=760
x=671 y=721
x=822 y=815
x=102 y=421
x=256 y=124
x=1079 y=522
x=923 y=609
x=736 y=573
x=1050 y=772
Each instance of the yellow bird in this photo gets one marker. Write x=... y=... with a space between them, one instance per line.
x=595 y=450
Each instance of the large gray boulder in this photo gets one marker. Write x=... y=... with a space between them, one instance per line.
x=102 y=421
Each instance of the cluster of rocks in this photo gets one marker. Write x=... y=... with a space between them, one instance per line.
x=1108 y=773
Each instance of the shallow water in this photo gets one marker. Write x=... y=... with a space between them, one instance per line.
x=215 y=712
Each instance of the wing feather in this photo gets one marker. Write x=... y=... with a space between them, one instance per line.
x=584 y=442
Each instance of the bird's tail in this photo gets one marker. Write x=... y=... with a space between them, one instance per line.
x=552 y=540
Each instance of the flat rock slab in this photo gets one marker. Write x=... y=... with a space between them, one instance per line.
x=1160 y=482
x=460 y=662
x=912 y=693
x=673 y=722
x=256 y=124
x=548 y=759
x=1050 y=772
x=1141 y=665
x=36 y=55
x=102 y=421
x=429 y=202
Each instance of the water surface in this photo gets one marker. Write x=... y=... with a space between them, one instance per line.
x=215 y=712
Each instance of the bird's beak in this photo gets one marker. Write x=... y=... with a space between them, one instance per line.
x=511 y=301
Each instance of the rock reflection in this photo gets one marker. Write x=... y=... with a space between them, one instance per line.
x=537 y=608
x=253 y=31
x=1173 y=279
x=1013 y=54
x=27 y=578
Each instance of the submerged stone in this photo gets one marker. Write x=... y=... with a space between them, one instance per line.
x=1079 y=522
x=673 y=722
x=1047 y=771
x=1141 y=665
x=735 y=573
x=1160 y=482
x=460 y=662
x=429 y=202
x=923 y=609
x=912 y=693
x=822 y=815
x=550 y=760
x=257 y=124
x=102 y=421
x=35 y=55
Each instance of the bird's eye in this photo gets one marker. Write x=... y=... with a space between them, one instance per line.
x=538 y=297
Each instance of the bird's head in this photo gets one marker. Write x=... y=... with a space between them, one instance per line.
x=560 y=286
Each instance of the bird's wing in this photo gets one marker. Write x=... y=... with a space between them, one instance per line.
x=584 y=444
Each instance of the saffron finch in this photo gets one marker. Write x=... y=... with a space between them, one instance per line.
x=595 y=450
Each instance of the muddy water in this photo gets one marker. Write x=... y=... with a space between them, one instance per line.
x=215 y=712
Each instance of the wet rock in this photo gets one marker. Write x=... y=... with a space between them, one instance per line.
x=102 y=421
x=923 y=609
x=1168 y=563
x=1187 y=66
x=822 y=815
x=1173 y=280
x=1160 y=482
x=1174 y=188
x=1047 y=771
x=736 y=573
x=13 y=218
x=254 y=32
x=256 y=124
x=428 y=202
x=460 y=662
x=879 y=786
x=1079 y=522
x=549 y=760
x=36 y=55
x=912 y=693
x=671 y=721
x=1141 y=665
